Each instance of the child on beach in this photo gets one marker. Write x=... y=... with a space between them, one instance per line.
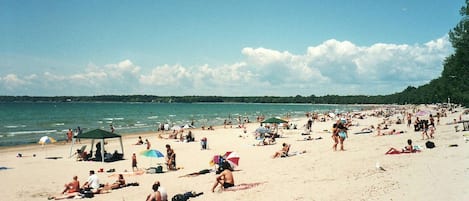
x=134 y=162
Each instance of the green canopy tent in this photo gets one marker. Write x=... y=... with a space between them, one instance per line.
x=274 y=120
x=97 y=134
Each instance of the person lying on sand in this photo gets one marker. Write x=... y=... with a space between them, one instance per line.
x=392 y=132
x=119 y=183
x=407 y=149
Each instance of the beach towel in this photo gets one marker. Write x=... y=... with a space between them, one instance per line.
x=204 y=171
x=363 y=132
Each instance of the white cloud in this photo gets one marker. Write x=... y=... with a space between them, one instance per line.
x=332 y=67
x=12 y=81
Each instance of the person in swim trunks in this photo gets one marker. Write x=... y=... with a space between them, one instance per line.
x=225 y=179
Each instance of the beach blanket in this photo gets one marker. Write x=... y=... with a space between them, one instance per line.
x=204 y=171
x=363 y=132
x=139 y=172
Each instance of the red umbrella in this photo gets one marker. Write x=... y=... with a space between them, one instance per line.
x=231 y=157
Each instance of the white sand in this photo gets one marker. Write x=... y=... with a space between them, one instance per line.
x=441 y=173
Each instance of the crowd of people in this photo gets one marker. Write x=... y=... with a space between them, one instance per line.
x=225 y=179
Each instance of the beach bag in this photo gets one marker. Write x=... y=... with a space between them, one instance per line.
x=179 y=197
x=159 y=169
x=88 y=194
x=430 y=145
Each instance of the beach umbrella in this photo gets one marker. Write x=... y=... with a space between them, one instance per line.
x=152 y=153
x=274 y=120
x=422 y=113
x=232 y=158
x=262 y=130
x=46 y=140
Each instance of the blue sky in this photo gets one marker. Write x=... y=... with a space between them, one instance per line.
x=226 y=48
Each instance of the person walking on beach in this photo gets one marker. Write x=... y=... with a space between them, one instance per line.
x=134 y=162
x=112 y=128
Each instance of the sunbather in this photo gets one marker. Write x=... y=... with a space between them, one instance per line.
x=283 y=152
x=407 y=149
x=120 y=182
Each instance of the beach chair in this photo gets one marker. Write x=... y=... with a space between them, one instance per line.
x=81 y=154
x=285 y=154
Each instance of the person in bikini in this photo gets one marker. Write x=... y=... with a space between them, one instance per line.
x=225 y=179
x=407 y=149
x=283 y=152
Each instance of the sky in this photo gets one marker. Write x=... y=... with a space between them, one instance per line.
x=222 y=48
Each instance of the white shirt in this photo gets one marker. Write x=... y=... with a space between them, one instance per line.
x=163 y=193
x=93 y=181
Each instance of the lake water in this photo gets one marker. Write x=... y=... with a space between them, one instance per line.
x=24 y=123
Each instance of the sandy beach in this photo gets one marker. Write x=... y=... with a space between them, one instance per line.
x=441 y=173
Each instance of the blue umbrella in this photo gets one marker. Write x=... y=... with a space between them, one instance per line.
x=152 y=153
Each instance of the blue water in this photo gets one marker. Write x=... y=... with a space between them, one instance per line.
x=25 y=123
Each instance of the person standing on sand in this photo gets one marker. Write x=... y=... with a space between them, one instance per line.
x=148 y=144
x=69 y=135
x=409 y=119
x=134 y=162
x=335 y=135
x=342 y=134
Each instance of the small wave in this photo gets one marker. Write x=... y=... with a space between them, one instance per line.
x=59 y=124
x=14 y=126
x=119 y=118
x=152 y=117
x=31 y=132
